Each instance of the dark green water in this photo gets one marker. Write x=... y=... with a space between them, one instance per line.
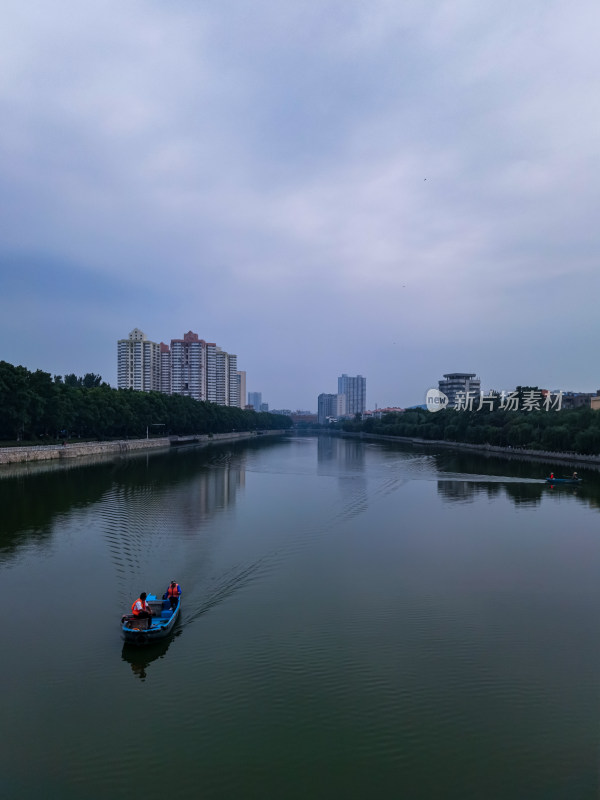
x=360 y=620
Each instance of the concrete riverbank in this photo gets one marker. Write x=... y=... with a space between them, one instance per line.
x=19 y=455
x=489 y=450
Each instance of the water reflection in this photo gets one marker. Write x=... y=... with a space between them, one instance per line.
x=146 y=512
x=525 y=494
x=345 y=455
x=466 y=491
x=456 y=491
x=388 y=649
x=521 y=480
x=140 y=658
x=143 y=494
x=345 y=459
x=197 y=482
x=29 y=504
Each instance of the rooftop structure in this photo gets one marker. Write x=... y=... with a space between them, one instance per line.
x=455 y=382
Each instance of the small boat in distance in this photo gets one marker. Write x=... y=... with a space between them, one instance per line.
x=575 y=481
x=149 y=630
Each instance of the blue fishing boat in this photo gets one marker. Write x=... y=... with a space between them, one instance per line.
x=149 y=630
x=575 y=481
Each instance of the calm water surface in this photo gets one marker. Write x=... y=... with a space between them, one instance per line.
x=360 y=620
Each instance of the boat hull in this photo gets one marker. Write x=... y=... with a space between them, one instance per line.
x=574 y=481
x=161 y=626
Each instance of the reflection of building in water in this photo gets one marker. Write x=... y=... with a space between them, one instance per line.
x=218 y=489
x=348 y=453
x=191 y=503
x=456 y=491
x=344 y=459
x=453 y=491
x=174 y=498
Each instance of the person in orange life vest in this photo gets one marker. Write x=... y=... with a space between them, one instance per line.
x=173 y=592
x=140 y=609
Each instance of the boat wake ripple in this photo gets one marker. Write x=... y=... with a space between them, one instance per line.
x=226 y=585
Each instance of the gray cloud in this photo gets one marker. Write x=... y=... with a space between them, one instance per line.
x=392 y=189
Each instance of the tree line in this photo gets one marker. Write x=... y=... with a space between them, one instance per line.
x=573 y=430
x=37 y=406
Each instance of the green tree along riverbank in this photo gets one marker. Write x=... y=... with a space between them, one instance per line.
x=576 y=430
x=36 y=406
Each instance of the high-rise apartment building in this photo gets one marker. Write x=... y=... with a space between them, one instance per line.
x=330 y=406
x=188 y=360
x=165 y=369
x=355 y=389
x=138 y=363
x=241 y=386
x=221 y=384
x=211 y=372
x=190 y=367
x=255 y=400
x=226 y=378
x=233 y=391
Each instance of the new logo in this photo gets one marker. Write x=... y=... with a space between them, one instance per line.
x=436 y=400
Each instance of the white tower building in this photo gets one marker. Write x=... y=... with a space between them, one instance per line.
x=138 y=363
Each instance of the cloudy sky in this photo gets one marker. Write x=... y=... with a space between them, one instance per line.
x=394 y=188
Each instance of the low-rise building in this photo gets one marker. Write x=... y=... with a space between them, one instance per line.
x=378 y=413
x=303 y=418
x=577 y=400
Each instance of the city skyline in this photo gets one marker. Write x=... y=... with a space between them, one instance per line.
x=397 y=190
x=350 y=399
x=190 y=366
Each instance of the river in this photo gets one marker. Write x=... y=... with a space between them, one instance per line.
x=360 y=620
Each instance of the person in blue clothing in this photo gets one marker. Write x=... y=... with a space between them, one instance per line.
x=173 y=593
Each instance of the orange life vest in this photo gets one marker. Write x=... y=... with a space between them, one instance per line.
x=137 y=611
x=173 y=591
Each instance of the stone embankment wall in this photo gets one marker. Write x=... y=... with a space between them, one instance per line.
x=15 y=455
x=489 y=449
